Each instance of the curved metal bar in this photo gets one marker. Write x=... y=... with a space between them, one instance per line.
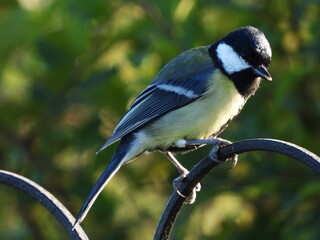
x=41 y=195
x=273 y=145
x=207 y=164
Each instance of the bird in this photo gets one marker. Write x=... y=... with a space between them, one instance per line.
x=191 y=101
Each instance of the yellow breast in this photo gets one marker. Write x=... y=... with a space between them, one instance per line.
x=201 y=118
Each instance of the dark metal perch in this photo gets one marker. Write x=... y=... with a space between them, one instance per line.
x=175 y=202
x=207 y=164
x=42 y=196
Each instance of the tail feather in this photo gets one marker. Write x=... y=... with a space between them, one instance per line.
x=116 y=162
x=108 y=173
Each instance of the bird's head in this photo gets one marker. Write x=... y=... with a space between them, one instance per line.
x=244 y=56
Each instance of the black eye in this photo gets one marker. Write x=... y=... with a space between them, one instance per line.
x=266 y=63
x=245 y=56
x=249 y=58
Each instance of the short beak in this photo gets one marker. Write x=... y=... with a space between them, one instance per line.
x=263 y=73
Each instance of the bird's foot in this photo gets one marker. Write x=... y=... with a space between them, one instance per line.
x=193 y=195
x=217 y=142
x=234 y=158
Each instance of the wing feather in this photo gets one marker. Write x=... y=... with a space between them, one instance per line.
x=167 y=93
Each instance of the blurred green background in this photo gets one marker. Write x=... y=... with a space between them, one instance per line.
x=70 y=68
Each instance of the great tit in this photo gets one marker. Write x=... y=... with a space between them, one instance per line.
x=193 y=97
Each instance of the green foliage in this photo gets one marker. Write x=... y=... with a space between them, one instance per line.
x=69 y=69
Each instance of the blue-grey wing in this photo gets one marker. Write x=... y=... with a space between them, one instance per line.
x=161 y=97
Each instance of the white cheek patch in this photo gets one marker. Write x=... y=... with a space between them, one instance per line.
x=230 y=60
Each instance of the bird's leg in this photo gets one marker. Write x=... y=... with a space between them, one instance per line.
x=182 y=143
x=182 y=170
x=176 y=182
